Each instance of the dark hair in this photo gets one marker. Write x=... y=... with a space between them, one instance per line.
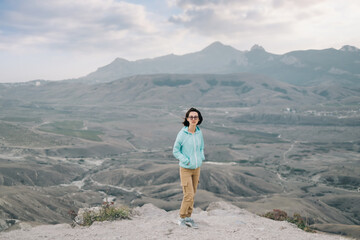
x=186 y=122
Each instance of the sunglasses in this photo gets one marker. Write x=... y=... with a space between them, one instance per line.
x=193 y=117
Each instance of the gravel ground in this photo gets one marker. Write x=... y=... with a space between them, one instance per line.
x=220 y=221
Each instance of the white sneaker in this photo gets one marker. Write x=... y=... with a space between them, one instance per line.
x=182 y=222
x=190 y=222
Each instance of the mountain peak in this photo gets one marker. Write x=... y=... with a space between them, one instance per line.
x=120 y=60
x=257 y=47
x=348 y=48
x=217 y=46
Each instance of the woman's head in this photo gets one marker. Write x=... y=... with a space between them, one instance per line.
x=192 y=115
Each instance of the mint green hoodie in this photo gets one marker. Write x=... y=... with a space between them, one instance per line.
x=189 y=148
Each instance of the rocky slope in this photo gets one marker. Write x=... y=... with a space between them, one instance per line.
x=221 y=220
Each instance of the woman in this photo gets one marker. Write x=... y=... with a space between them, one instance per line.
x=189 y=150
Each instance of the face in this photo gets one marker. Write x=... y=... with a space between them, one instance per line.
x=193 y=118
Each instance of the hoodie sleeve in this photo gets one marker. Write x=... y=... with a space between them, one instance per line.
x=202 y=147
x=177 y=149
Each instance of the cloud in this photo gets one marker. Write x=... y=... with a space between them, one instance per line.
x=187 y=3
x=72 y=24
x=62 y=39
x=238 y=18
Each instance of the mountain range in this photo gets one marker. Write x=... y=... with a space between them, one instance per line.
x=302 y=67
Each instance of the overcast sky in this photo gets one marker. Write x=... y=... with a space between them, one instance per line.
x=61 y=39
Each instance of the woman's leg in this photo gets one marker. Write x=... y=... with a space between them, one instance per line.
x=195 y=179
x=195 y=182
x=186 y=176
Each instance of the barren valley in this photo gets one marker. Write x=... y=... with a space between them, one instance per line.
x=69 y=152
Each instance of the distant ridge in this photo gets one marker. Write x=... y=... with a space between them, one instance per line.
x=304 y=68
x=348 y=48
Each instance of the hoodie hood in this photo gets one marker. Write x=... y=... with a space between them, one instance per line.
x=185 y=129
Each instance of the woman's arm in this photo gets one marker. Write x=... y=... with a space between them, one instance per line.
x=177 y=150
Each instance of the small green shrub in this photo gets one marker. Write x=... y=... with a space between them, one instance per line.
x=298 y=221
x=280 y=215
x=277 y=215
x=108 y=212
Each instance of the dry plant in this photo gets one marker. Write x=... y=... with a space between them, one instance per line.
x=107 y=212
x=280 y=215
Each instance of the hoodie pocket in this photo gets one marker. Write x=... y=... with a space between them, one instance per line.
x=192 y=162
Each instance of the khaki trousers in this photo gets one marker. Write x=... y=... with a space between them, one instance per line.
x=189 y=182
